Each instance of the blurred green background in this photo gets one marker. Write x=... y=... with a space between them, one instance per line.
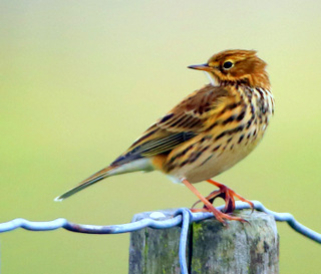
x=81 y=80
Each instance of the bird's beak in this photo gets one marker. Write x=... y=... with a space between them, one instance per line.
x=204 y=67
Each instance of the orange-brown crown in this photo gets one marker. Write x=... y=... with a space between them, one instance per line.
x=237 y=66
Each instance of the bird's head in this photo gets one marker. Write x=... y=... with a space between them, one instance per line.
x=241 y=66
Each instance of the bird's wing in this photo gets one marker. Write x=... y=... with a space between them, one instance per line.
x=193 y=115
x=183 y=122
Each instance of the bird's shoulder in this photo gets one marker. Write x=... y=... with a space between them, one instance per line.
x=201 y=100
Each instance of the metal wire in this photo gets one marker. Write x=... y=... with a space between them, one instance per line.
x=182 y=217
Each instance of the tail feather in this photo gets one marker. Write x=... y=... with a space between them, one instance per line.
x=137 y=165
x=98 y=176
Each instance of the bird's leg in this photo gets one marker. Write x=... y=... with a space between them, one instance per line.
x=229 y=200
x=211 y=197
x=221 y=217
x=228 y=195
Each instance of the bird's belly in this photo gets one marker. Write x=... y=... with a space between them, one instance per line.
x=205 y=168
x=217 y=165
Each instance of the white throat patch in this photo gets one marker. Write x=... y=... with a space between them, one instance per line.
x=211 y=78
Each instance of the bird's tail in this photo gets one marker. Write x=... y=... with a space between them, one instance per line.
x=98 y=176
x=143 y=164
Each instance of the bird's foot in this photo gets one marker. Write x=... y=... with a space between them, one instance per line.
x=227 y=194
x=220 y=216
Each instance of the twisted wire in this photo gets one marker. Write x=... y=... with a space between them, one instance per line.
x=183 y=217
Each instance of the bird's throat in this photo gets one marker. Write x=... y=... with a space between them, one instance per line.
x=211 y=78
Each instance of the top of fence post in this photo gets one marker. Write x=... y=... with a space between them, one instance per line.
x=212 y=248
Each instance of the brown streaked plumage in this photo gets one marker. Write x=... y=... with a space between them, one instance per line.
x=208 y=132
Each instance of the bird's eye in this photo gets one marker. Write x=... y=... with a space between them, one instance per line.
x=228 y=65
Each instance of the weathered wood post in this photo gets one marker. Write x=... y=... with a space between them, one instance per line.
x=212 y=248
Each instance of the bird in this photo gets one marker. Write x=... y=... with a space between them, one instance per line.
x=208 y=132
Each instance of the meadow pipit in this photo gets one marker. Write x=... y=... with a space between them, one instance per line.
x=208 y=132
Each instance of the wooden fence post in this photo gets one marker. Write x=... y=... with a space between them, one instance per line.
x=212 y=248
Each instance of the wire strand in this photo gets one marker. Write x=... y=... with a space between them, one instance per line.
x=182 y=217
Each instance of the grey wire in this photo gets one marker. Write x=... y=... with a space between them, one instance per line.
x=186 y=214
x=182 y=217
